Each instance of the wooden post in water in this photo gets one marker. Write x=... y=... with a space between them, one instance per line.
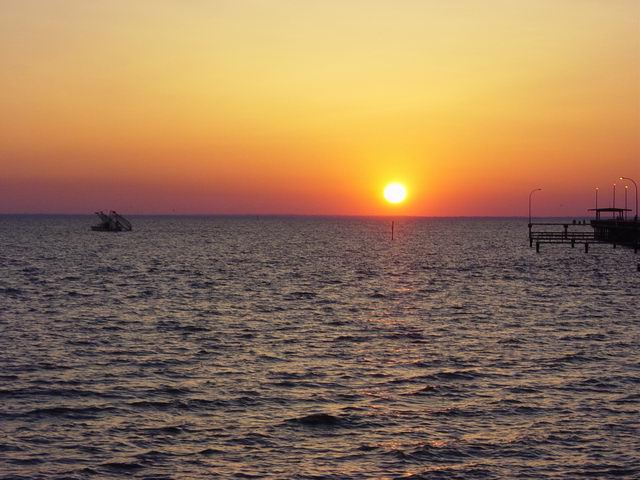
x=392 y=225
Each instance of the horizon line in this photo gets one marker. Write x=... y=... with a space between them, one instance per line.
x=301 y=215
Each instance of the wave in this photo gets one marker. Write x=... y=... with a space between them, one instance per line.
x=319 y=420
x=63 y=411
x=122 y=467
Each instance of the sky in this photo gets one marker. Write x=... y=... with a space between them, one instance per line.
x=312 y=107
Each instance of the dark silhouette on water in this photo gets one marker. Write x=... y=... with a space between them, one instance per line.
x=112 y=223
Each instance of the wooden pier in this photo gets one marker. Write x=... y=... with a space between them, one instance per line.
x=615 y=231
x=564 y=236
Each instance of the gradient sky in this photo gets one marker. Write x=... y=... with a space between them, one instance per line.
x=311 y=107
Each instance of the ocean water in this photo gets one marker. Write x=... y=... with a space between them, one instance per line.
x=244 y=347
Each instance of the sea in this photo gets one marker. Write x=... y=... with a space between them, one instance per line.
x=314 y=348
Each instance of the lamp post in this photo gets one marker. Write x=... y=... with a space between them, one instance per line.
x=624 y=214
x=635 y=185
x=530 y=195
x=597 y=198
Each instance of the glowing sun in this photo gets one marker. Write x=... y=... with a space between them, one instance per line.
x=395 y=193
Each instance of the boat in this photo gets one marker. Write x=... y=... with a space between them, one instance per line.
x=113 y=222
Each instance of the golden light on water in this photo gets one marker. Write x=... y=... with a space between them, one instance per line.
x=395 y=193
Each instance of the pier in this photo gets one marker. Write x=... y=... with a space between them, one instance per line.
x=564 y=236
x=617 y=230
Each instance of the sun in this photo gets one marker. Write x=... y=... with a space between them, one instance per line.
x=395 y=193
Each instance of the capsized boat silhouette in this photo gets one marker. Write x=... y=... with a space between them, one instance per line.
x=113 y=222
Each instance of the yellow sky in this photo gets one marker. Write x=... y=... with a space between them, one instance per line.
x=293 y=106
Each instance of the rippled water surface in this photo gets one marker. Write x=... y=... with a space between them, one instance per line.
x=314 y=348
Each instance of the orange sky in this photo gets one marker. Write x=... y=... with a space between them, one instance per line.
x=311 y=107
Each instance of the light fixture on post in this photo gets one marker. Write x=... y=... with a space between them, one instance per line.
x=635 y=185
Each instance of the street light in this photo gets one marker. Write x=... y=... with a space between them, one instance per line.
x=626 y=190
x=530 y=195
x=635 y=185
